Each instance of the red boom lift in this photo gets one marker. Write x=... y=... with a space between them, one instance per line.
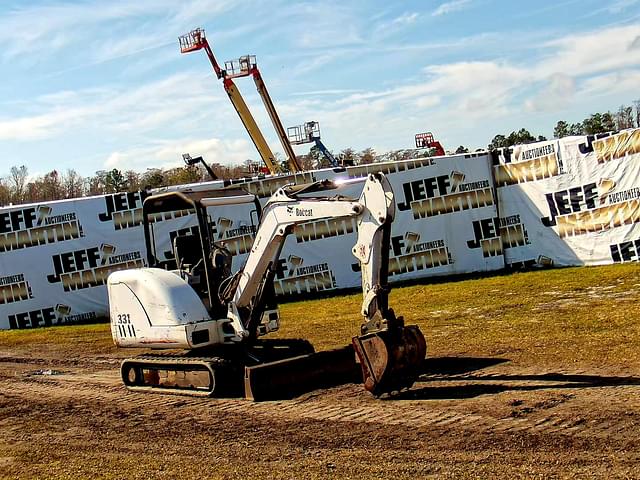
x=426 y=140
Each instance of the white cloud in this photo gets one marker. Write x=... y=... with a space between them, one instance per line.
x=37 y=127
x=450 y=7
x=314 y=63
x=52 y=26
x=129 y=45
x=168 y=154
x=593 y=52
x=330 y=91
x=558 y=92
x=575 y=68
x=388 y=28
x=180 y=97
x=315 y=26
x=611 y=83
x=406 y=18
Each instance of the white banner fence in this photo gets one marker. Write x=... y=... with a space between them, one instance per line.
x=573 y=201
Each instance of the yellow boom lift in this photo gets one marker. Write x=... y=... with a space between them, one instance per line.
x=244 y=67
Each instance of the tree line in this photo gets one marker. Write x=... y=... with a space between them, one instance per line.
x=627 y=116
x=18 y=187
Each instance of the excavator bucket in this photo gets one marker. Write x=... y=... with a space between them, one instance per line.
x=390 y=359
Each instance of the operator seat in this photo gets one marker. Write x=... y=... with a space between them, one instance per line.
x=188 y=253
x=220 y=259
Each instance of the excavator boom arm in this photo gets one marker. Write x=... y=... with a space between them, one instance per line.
x=390 y=353
x=280 y=215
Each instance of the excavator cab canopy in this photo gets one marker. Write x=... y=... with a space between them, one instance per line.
x=174 y=201
x=193 y=252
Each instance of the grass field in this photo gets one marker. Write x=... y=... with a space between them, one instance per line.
x=586 y=316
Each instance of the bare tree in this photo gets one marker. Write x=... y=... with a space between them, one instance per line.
x=98 y=183
x=153 y=178
x=52 y=188
x=72 y=184
x=624 y=118
x=183 y=175
x=5 y=192
x=33 y=191
x=18 y=180
x=133 y=180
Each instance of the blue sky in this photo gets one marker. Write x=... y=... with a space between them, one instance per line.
x=96 y=85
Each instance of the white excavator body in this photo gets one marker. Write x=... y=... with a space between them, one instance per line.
x=156 y=308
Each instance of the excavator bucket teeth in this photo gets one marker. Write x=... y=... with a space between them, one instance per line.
x=291 y=377
x=390 y=360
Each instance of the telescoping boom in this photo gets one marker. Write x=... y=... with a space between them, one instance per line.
x=243 y=67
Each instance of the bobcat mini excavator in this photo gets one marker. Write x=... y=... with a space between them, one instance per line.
x=214 y=319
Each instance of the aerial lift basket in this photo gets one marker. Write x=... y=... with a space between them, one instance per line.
x=192 y=41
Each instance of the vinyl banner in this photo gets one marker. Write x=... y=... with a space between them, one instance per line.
x=445 y=223
x=573 y=201
x=55 y=257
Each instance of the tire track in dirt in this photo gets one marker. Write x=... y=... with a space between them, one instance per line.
x=104 y=388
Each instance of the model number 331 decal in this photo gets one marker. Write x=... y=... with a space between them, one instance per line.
x=125 y=327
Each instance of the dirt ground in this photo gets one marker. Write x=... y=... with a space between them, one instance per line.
x=69 y=417
x=547 y=386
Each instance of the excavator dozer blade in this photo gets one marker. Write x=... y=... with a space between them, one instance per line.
x=390 y=360
x=291 y=377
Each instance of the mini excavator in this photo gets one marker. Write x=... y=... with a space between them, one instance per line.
x=210 y=322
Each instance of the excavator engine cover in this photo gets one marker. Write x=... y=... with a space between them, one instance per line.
x=390 y=359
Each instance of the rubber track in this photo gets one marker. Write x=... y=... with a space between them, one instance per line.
x=169 y=359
